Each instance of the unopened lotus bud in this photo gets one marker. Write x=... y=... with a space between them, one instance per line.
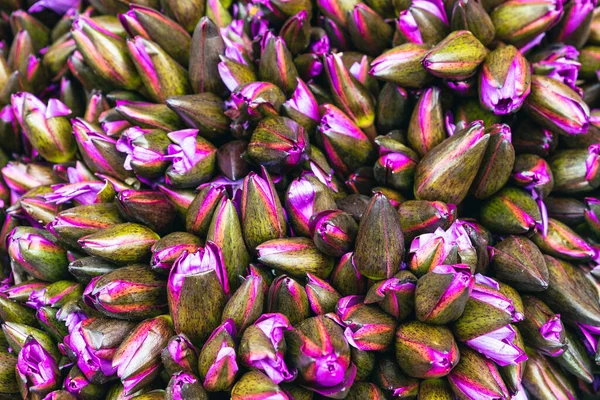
x=77 y=384
x=168 y=249
x=375 y=256
x=246 y=304
x=455 y=57
x=180 y=355
x=518 y=22
x=511 y=211
x=333 y=232
x=346 y=279
x=132 y=293
x=574 y=27
x=122 y=244
x=589 y=59
x=475 y=375
x=262 y=347
x=147 y=207
x=230 y=161
x=392 y=380
x=426 y=128
x=568 y=210
x=472 y=16
x=318 y=349
x=203 y=111
x=197 y=291
x=184 y=385
x=542 y=379
x=576 y=171
x=541 y=328
x=592 y=214
x=200 y=212
x=367 y=327
x=187 y=13
x=518 y=261
x=425 y=351
x=8 y=382
x=207 y=46
x=534 y=173
x=137 y=360
x=148 y=115
x=322 y=297
x=288 y=297
x=105 y=52
x=418 y=217
x=368 y=30
x=575 y=358
x=255 y=384
x=276 y=64
x=394 y=295
x=295 y=256
x=487 y=310
x=22 y=291
x=562 y=242
x=402 y=66
x=556 y=106
x=365 y=390
x=423 y=22
x=86 y=268
x=38 y=253
x=37 y=372
x=392 y=110
x=11 y=311
x=217 y=361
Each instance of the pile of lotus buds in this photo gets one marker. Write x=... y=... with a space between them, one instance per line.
x=299 y=199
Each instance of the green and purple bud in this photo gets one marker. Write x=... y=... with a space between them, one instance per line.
x=533 y=173
x=205 y=51
x=288 y=297
x=38 y=253
x=193 y=159
x=122 y=244
x=105 y=52
x=187 y=13
x=217 y=361
x=562 y=242
x=147 y=207
x=472 y=16
x=55 y=295
x=441 y=294
x=519 y=262
x=146 y=151
x=263 y=218
x=276 y=64
x=11 y=311
x=499 y=346
x=456 y=57
x=388 y=376
x=568 y=210
x=296 y=32
x=346 y=279
x=203 y=111
x=557 y=107
x=137 y=360
x=542 y=379
x=559 y=62
x=302 y=107
x=425 y=351
x=246 y=304
x=426 y=128
x=77 y=384
x=424 y=22
x=402 y=66
x=180 y=355
x=132 y=293
x=37 y=371
x=504 y=81
x=198 y=289
x=574 y=27
x=8 y=381
x=542 y=328
x=22 y=291
x=201 y=210
x=418 y=217
x=318 y=349
x=375 y=256
x=392 y=108
x=592 y=214
x=170 y=247
x=230 y=160
x=148 y=115
x=395 y=296
x=256 y=385
x=576 y=171
x=511 y=211
x=184 y=385
x=322 y=297
x=333 y=232
x=263 y=347
x=368 y=30
x=367 y=327
x=476 y=377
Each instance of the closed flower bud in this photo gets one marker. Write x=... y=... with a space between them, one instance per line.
x=475 y=376
x=541 y=328
x=425 y=351
x=436 y=389
x=568 y=210
x=146 y=151
x=246 y=304
x=518 y=261
x=456 y=57
x=395 y=295
x=576 y=171
x=575 y=358
x=38 y=253
x=562 y=242
x=556 y=106
x=318 y=349
x=424 y=22
x=37 y=372
x=147 y=207
x=137 y=360
x=198 y=290
x=392 y=108
x=391 y=379
x=8 y=381
x=148 y=115
x=421 y=216
x=186 y=12
x=402 y=66
x=230 y=160
x=518 y=22
x=542 y=379
x=132 y=293
x=346 y=279
x=504 y=82
x=296 y=32
x=367 y=327
x=447 y=172
x=592 y=214
x=333 y=232
x=368 y=30
x=179 y=355
x=426 y=127
x=365 y=390
x=168 y=249
x=195 y=164
x=574 y=27
x=256 y=385
x=207 y=46
x=22 y=291
x=217 y=361
x=276 y=64
x=203 y=111
x=77 y=384
x=200 y=212
x=322 y=297
x=17 y=336
x=472 y=16
x=511 y=211
x=11 y=311
x=105 y=52
x=288 y=297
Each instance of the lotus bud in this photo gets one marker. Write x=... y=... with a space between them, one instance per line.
x=22 y=291
x=542 y=328
x=77 y=384
x=17 y=336
x=367 y=327
x=402 y=66
x=568 y=210
x=37 y=372
x=333 y=231
x=322 y=297
x=472 y=16
x=576 y=171
x=562 y=242
x=534 y=173
x=207 y=46
x=474 y=375
x=203 y=111
x=575 y=358
x=204 y=268
x=235 y=70
x=8 y=381
x=346 y=279
x=146 y=151
x=180 y=355
x=200 y=212
x=518 y=261
x=558 y=62
x=592 y=212
x=255 y=384
x=55 y=295
x=455 y=57
x=184 y=385
x=190 y=167
x=392 y=110
x=148 y=115
x=318 y=349
x=11 y=311
x=395 y=295
x=288 y=297
x=147 y=207
x=423 y=22
x=425 y=351
x=365 y=390
x=168 y=249
x=305 y=197
x=418 y=217
x=486 y=311
x=337 y=11
x=217 y=361
x=544 y=380
x=187 y=13
x=230 y=161
x=426 y=128
x=276 y=64
x=514 y=27
x=387 y=375
x=38 y=253
x=132 y=293
x=137 y=360
x=511 y=211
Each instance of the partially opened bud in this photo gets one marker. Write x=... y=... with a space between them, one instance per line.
x=132 y=293
x=77 y=384
x=542 y=328
x=184 y=385
x=168 y=249
x=55 y=295
x=424 y=22
x=559 y=62
x=402 y=66
x=146 y=151
x=180 y=355
x=425 y=351
x=318 y=349
x=198 y=290
x=421 y=216
x=518 y=261
x=394 y=295
x=193 y=159
x=476 y=377
x=456 y=57
x=333 y=232
x=504 y=82
x=37 y=371
x=288 y=297
x=18 y=334
x=499 y=345
x=148 y=115
x=217 y=361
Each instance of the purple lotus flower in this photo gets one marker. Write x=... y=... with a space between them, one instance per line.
x=179 y=348
x=551 y=331
x=71 y=316
x=37 y=371
x=58 y=6
x=184 y=153
x=559 y=62
x=499 y=346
